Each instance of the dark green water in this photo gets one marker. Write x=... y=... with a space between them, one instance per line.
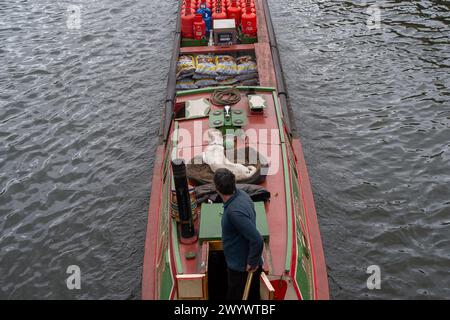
x=80 y=112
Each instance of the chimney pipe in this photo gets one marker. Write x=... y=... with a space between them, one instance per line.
x=183 y=198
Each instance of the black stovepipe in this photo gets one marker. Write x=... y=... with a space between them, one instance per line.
x=183 y=198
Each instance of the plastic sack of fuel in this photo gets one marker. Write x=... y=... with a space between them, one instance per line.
x=199 y=76
x=227 y=82
x=184 y=76
x=222 y=78
x=251 y=82
x=247 y=76
x=206 y=64
x=246 y=64
x=226 y=65
x=206 y=82
x=185 y=65
x=186 y=84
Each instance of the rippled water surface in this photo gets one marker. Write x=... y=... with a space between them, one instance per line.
x=80 y=112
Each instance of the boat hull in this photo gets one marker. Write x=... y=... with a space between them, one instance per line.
x=294 y=254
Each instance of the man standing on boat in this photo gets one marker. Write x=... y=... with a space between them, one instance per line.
x=242 y=242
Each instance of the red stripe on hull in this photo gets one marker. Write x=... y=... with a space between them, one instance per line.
x=148 y=272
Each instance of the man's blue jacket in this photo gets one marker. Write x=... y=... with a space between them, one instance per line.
x=242 y=242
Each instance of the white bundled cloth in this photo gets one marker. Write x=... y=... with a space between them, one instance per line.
x=214 y=156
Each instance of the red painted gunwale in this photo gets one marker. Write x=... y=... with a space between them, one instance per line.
x=148 y=272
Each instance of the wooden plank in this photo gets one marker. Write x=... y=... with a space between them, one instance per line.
x=261 y=22
x=217 y=49
x=265 y=65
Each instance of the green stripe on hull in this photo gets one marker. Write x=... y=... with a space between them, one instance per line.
x=176 y=248
x=287 y=186
x=287 y=266
x=302 y=279
x=166 y=281
x=303 y=271
x=301 y=275
x=175 y=243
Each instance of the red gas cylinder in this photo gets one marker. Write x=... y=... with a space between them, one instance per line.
x=234 y=12
x=219 y=14
x=219 y=3
x=244 y=10
x=187 y=24
x=188 y=3
x=247 y=3
x=183 y=9
x=199 y=27
x=248 y=23
x=244 y=5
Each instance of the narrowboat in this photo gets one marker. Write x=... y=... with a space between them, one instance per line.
x=227 y=104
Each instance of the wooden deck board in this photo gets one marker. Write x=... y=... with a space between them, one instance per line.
x=265 y=65
x=263 y=36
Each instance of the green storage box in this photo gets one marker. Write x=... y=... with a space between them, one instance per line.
x=211 y=216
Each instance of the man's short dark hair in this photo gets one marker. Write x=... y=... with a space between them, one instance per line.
x=225 y=181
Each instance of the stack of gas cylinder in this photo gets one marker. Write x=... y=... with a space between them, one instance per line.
x=197 y=16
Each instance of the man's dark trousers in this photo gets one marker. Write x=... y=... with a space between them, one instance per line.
x=236 y=285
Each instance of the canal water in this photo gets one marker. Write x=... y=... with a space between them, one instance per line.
x=80 y=109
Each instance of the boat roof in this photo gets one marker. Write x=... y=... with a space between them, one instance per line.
x=270 y=145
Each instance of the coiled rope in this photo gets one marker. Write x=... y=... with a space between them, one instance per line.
x=224 y=97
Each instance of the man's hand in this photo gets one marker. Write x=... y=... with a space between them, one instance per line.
x=251 y=269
